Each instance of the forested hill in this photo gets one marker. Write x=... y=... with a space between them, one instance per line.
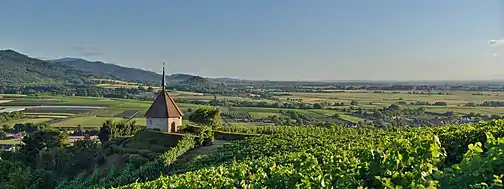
x=129 y=74
x=18 y=69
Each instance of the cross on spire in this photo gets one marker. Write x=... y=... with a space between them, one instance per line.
x=163 y=79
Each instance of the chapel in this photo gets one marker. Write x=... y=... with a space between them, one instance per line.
x=164 y=114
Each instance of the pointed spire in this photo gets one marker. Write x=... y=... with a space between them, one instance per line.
x=163 y=79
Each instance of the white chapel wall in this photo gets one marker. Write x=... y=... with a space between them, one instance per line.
x=159 y=123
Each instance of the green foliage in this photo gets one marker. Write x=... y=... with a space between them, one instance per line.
x=354 y=103
x=129 y=174
x=207 y=115
x=28 y=127
x=8 y=116
x=3 y=135
x=205 y=136
x=337 y=157
x=111 y=129
x=479 y=168
x=15 y=174
x=43 y=139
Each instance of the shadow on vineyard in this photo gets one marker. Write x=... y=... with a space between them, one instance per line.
x=458 y=156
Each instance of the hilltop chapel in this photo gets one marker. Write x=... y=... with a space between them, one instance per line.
x=164 y=114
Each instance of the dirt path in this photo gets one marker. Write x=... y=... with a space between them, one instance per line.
x=202 y=150
x=190 y=156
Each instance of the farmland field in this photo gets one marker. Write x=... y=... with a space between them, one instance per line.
x=127 y=113
x=84 y=121
x=135 y=109
x=29 y=120
x=368 y=99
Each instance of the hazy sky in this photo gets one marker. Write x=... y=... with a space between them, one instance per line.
x=267 y=39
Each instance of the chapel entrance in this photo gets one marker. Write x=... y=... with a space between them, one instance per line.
x=173 y=127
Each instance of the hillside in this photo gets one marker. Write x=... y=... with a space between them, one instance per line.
x=456 y=156
x=20 y=69
x=17 y=68
x=124 y=73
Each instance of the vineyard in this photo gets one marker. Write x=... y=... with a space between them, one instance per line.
x=236 y=115
x=459 y=156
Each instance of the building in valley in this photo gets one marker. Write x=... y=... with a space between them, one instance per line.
x=164 y=114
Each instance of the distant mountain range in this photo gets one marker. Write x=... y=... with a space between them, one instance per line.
x=131 y=74
x=17 y=68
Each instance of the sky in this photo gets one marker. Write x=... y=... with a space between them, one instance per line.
x=268 y=39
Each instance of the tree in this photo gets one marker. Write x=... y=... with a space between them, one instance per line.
x=495 y=116
x=394 y=107
x=440 y=104
x=106 y=131
x=39 y=140
x=336 y=116
x=3 y=135
x=318 y=106
x=354 y=103
x=208 y=115
x=6 y=128
x=111 y=129
x=80 y=130
x=276 y=120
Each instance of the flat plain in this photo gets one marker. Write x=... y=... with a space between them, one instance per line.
x=72 y=111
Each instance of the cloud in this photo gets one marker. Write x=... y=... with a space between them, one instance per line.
x=87 y=50
x=497 y=47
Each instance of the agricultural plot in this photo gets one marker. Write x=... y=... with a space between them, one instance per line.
x=467 y=110
x=342 y=115
x=139 y=121
x=10 y=142
x=48 y=113
x=140 y=114
x=127 y=114
x=255 y=109
x=84 y=121
x=105 y=113
x=364 y=98
x=236 y=115
x=28 y=120
x=370 y=100
x=59 y=110
x=259 y=115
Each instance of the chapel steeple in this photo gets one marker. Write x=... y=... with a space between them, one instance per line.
x=163 y=84
x=164 y=114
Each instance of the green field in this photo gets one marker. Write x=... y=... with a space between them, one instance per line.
x=135 y=109
x=9 y=142
x=84 y=121
x=114 y=109
x=379 y=100
x=29 y=120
